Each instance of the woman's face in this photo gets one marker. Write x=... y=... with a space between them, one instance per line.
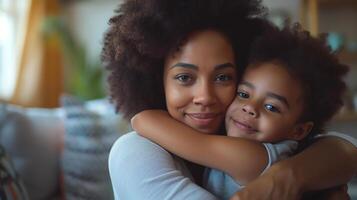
x=200 y=81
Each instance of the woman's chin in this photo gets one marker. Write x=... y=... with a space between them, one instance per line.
x=204 y=128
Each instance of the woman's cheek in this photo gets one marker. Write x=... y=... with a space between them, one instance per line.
x=229 y=96
x=177 y=97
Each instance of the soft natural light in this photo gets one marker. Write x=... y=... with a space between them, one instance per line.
x=12 y=15
x=7 y=57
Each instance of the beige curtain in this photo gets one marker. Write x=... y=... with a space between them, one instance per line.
x=40 y=78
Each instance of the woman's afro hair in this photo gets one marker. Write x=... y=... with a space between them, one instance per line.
x=143 y=32
x=311 y=61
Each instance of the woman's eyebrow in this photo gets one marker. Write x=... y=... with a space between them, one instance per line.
x=195 y=67
x=185 y=65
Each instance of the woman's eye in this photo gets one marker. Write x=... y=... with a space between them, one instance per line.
x=223 y=77
x=272 y=108
x=243 y=95
x=184 y=78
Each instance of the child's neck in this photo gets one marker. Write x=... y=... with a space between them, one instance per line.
x=196 y=171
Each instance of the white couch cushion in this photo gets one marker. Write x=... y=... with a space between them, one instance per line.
x=32 y=138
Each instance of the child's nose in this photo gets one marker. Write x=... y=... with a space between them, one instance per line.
x=250 y=110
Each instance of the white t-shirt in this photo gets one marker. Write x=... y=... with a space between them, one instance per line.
x=140 y=169
x=224 y=186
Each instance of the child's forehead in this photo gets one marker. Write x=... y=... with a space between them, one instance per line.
x=268 y=69
x=273 y=77
x=271 y=62
x=276 y=69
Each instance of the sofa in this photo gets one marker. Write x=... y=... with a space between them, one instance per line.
x=62 y=153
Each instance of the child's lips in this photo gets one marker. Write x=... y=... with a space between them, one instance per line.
x=245 y=126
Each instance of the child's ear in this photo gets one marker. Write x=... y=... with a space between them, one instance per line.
x=301 y=130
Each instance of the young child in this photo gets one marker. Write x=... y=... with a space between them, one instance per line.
x=291 y=88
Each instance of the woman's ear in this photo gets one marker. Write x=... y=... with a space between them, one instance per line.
x=301 y=130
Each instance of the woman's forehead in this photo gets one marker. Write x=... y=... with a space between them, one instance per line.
x=204 y=47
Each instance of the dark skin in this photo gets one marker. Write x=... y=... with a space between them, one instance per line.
x=143 y=32
x=259 y=82
x=181 y=103
x=279 y=173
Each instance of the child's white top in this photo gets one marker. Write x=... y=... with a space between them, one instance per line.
x=224 y=186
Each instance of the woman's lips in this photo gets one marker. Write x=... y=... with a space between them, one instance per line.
x=244 y=127
x=202 y=119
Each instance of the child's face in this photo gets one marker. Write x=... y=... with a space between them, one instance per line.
x=267 y=106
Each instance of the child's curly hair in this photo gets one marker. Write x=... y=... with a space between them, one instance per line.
x=311 y=61
x=143 y=32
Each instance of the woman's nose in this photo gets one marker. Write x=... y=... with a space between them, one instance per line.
x=204 y=95
x=250 y=110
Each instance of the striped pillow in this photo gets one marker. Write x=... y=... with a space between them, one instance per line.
x=88 y=139
x=11 y=187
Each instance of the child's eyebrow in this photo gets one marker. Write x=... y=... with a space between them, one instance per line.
x=247 y=84
x=279 y=98
x=270 y=94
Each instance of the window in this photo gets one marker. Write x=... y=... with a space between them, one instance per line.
x=12 y=20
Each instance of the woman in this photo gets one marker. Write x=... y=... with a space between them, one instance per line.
x=152 y=50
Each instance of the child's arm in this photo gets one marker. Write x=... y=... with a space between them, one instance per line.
x=243 y=159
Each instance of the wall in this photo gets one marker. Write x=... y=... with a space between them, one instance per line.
x=88 y=20
x=291 y=6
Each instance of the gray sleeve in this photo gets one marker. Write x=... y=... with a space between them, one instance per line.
x=279 y=151
x=140 y=169
x=339 y=135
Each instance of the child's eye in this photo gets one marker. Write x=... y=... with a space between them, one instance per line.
x=272 y=108
x=184 y=78
x=243 y=94
x=223 y=77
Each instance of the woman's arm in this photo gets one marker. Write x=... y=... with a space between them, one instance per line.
x=243 y=159
x=329 y=162
x=140 y=169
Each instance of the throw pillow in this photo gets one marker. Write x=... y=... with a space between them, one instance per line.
x=11 y=187
x=33 y=153
x=87 y=142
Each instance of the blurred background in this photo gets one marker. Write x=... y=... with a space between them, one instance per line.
x=52 y=47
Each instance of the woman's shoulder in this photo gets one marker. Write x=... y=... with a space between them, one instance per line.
x=132 y=144
x=128 y=139
x=133 y=138
x=346 y=137
x=133 y=150
x=135 y=160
